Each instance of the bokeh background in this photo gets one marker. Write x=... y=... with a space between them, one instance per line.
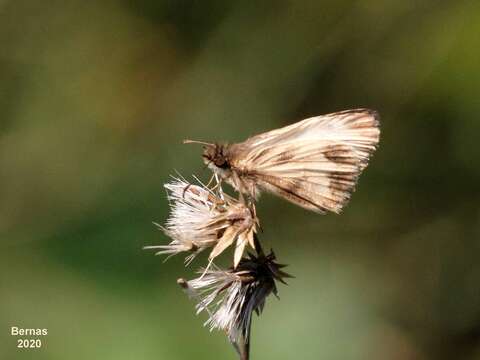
x=95 y=99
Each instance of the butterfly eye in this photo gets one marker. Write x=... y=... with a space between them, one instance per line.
x=221 y=162
x=209 y=152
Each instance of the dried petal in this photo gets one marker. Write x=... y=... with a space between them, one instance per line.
x=200 y=219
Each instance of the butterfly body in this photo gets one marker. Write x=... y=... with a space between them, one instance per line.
x=314 y=163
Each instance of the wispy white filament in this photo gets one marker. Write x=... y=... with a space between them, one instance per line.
x=231 y=296
x=199 y=219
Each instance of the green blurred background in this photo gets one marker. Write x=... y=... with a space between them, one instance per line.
x=95 y=99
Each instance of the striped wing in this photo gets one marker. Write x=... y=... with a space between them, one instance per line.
x=314 y=163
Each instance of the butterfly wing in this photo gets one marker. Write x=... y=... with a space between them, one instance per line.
x=314 y=163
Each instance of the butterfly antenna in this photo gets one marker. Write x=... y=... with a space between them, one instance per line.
x=188 y=141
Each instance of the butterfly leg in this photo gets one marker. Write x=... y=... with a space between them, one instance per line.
x=210 y=181
x=219 y=186
x=241 y=198
x=219 y=191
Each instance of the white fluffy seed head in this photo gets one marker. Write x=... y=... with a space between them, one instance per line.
x=200 y=219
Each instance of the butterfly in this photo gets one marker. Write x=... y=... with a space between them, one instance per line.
x=314 y=163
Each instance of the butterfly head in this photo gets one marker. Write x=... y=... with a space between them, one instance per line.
x=214 y=155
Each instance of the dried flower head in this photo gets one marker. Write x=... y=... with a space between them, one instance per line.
x=231 y=296
x=200 y=218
